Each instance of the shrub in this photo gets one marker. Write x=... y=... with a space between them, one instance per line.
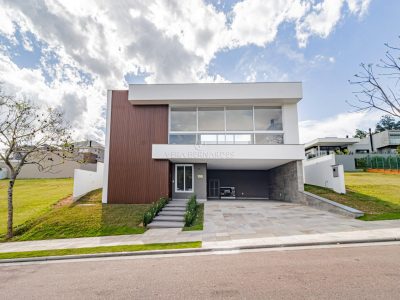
x=191 y=211
x=152 y=212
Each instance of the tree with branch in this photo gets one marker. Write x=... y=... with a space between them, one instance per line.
x=30 y=134
x=379 y=84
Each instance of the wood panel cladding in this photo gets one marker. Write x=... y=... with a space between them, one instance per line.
x=133 y=176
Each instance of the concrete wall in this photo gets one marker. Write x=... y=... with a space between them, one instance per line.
x=87 y=181
x=319 y=171
x=200 y=183
x=62 y=170
x=286 y=182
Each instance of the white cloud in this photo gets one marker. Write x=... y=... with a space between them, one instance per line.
x=169 y=41
x=257 y=21
x=358 y=7
x=337 y=126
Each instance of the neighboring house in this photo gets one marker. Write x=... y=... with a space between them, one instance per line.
x=89 y=151
x=385 y=142
x=332 y=145
x=215 y=140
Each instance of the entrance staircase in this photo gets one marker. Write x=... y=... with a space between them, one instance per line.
x=171 y=216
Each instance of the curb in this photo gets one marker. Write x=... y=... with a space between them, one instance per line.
x=196 y=250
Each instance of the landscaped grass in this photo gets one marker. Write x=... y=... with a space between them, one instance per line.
x=32 y=198
x=372 y=193
x=198 y=221
x=382 y=186
x=87 y=217
x=103 y=249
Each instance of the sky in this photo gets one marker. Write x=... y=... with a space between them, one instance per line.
x=66 y=54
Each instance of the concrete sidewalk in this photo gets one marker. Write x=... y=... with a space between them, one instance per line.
x=176 y=235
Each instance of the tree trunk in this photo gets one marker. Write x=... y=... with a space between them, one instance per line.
x=10 y=208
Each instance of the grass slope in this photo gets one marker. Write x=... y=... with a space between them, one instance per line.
x=103 y=249
x=374 y=195
x=87 y=217
x=32 y=198
x=198 y=222
x=382 y=186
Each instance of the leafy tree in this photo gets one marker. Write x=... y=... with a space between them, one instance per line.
x=33 y=135
x=387 y=123
x=398 y=149
x=360 y=134
x=378 y=84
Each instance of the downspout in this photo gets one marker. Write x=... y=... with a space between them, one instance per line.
x=370 y=140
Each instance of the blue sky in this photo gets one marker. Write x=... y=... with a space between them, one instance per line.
x=68 y=54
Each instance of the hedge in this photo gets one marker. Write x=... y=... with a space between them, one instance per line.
x=153 y=211
x=191 y=211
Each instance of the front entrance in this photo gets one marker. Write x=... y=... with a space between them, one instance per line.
x=213 y=188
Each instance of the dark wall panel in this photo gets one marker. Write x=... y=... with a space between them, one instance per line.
x=133 y=176
x=247 y=183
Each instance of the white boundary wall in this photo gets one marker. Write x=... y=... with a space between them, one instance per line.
x=319 y=171
x=87 y=181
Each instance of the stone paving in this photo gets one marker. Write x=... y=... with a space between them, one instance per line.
x=236 y=222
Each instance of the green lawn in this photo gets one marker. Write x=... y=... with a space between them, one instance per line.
x=198 y=222
x=32 y=198
x=382 y=186
x=377 y=195
x=88 y=217
x=103 y=249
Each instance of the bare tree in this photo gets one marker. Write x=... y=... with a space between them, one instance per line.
x=30 y=134
x=378 y=84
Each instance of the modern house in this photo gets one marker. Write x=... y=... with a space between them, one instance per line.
x=215 y=140
x=332 y=145
x=89 y=151
x=385 y=142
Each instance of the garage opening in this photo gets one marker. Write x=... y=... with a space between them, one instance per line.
x=237 y=184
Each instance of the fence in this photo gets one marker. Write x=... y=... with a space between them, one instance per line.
x=378 y=162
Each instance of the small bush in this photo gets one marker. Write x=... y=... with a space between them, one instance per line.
x=191 y=211
x=153 y=211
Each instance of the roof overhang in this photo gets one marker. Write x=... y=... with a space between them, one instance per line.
x=230 y=157
x=270 y=93
x=332 y=142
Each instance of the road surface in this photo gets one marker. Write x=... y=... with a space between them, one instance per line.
x=368 y=272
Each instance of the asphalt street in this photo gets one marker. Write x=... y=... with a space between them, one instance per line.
x=367 y=272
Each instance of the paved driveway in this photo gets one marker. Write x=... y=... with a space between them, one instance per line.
x=235 y=219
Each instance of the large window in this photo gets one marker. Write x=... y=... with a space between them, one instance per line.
x=226 y=125
x=183 y=119
x=239 y=118
x=183 y=178
x=268 y=118
x=211 y=119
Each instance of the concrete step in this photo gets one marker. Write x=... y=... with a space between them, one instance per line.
x=169 y=218
x=171 y=213
x=174 y=204
x=174 y=209
x=165 y=224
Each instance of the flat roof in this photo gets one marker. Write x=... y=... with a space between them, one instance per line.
x=209 y=93
x=331 y=141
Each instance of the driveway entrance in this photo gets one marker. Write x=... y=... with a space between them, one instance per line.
x=241 y=219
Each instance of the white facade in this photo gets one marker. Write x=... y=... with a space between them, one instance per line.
x=209 y=93
x=250 y=126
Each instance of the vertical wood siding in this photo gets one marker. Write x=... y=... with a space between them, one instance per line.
x=134 y=177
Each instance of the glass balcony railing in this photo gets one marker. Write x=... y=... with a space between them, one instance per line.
x=257 y=138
